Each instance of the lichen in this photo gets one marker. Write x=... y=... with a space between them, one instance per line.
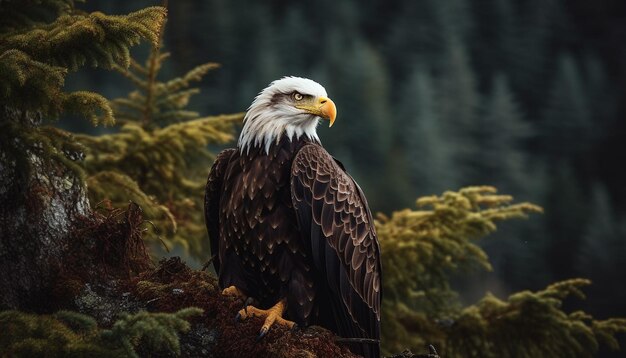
x=105 y=303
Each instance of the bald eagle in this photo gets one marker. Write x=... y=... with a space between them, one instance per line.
x=289 y=227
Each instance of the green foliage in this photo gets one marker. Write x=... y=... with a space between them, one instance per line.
x=119 y=189
x=155 y=331
x=159 y=156
x=158 y=103
x=40 y=42
x=424 y=249
x=71 y=334
x=52 y=143
x=529 y=324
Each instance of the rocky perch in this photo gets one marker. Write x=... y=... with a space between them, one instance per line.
x=173 y=286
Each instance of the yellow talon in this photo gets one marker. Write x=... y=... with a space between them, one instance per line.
x=232 y=291
x=272 y=315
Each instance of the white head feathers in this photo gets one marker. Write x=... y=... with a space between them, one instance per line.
x=271 y=114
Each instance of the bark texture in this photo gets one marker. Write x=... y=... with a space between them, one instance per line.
x=40 y=200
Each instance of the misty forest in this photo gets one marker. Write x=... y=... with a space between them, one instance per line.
x=488 y=137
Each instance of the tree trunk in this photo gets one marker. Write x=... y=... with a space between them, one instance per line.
x=41 y=199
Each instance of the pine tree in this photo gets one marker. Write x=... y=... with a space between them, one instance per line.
x=565 y=216
x=604 y=102
x=159 y=158
x=40 y=44
x=567 y=122
x=455 y=19
x=422 y=249
x=502 y=162
x=428 y=153
x=530 y=62
x=502 y=136
x=603 y=252
x=457 y=101
x=41 y=183
x=414 y=36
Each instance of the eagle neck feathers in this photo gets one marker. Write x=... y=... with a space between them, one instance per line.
x=257 y=132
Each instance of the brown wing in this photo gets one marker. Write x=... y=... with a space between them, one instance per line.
x=332 y=212
x=212 y=195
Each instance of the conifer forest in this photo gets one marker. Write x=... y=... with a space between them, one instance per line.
x=488 y=136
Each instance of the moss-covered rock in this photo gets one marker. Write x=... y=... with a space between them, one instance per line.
x=172 y=286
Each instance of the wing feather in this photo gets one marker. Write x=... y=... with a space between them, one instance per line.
x=212 y=193
x=334 y=217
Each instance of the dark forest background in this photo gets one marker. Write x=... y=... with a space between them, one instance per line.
x=525 y=95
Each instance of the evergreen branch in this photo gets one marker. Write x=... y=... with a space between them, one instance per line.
x=164 y=162
x=29 y=84
x=215 y=129
x=135 y=66
x=606 y=331
x=563 y=289
x=79 y=323
x=35 y=61
x=67 y=333
x=533 y=322
x=100 y=40
x=161 y=147
x=128 y=103
x=120 y=189
x=176 y=115
x=194 y=75
x=88 y=104
x=176 y=100
x=424 y=248
x=153 y=66
x=157 y=330
x=127 y=72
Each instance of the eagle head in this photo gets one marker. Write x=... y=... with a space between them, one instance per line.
x=291 y=106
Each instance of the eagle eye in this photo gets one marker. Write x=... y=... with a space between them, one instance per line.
x=297 y=96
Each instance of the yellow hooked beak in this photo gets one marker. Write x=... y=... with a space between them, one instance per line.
x=323 y=107
x=328 y=109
